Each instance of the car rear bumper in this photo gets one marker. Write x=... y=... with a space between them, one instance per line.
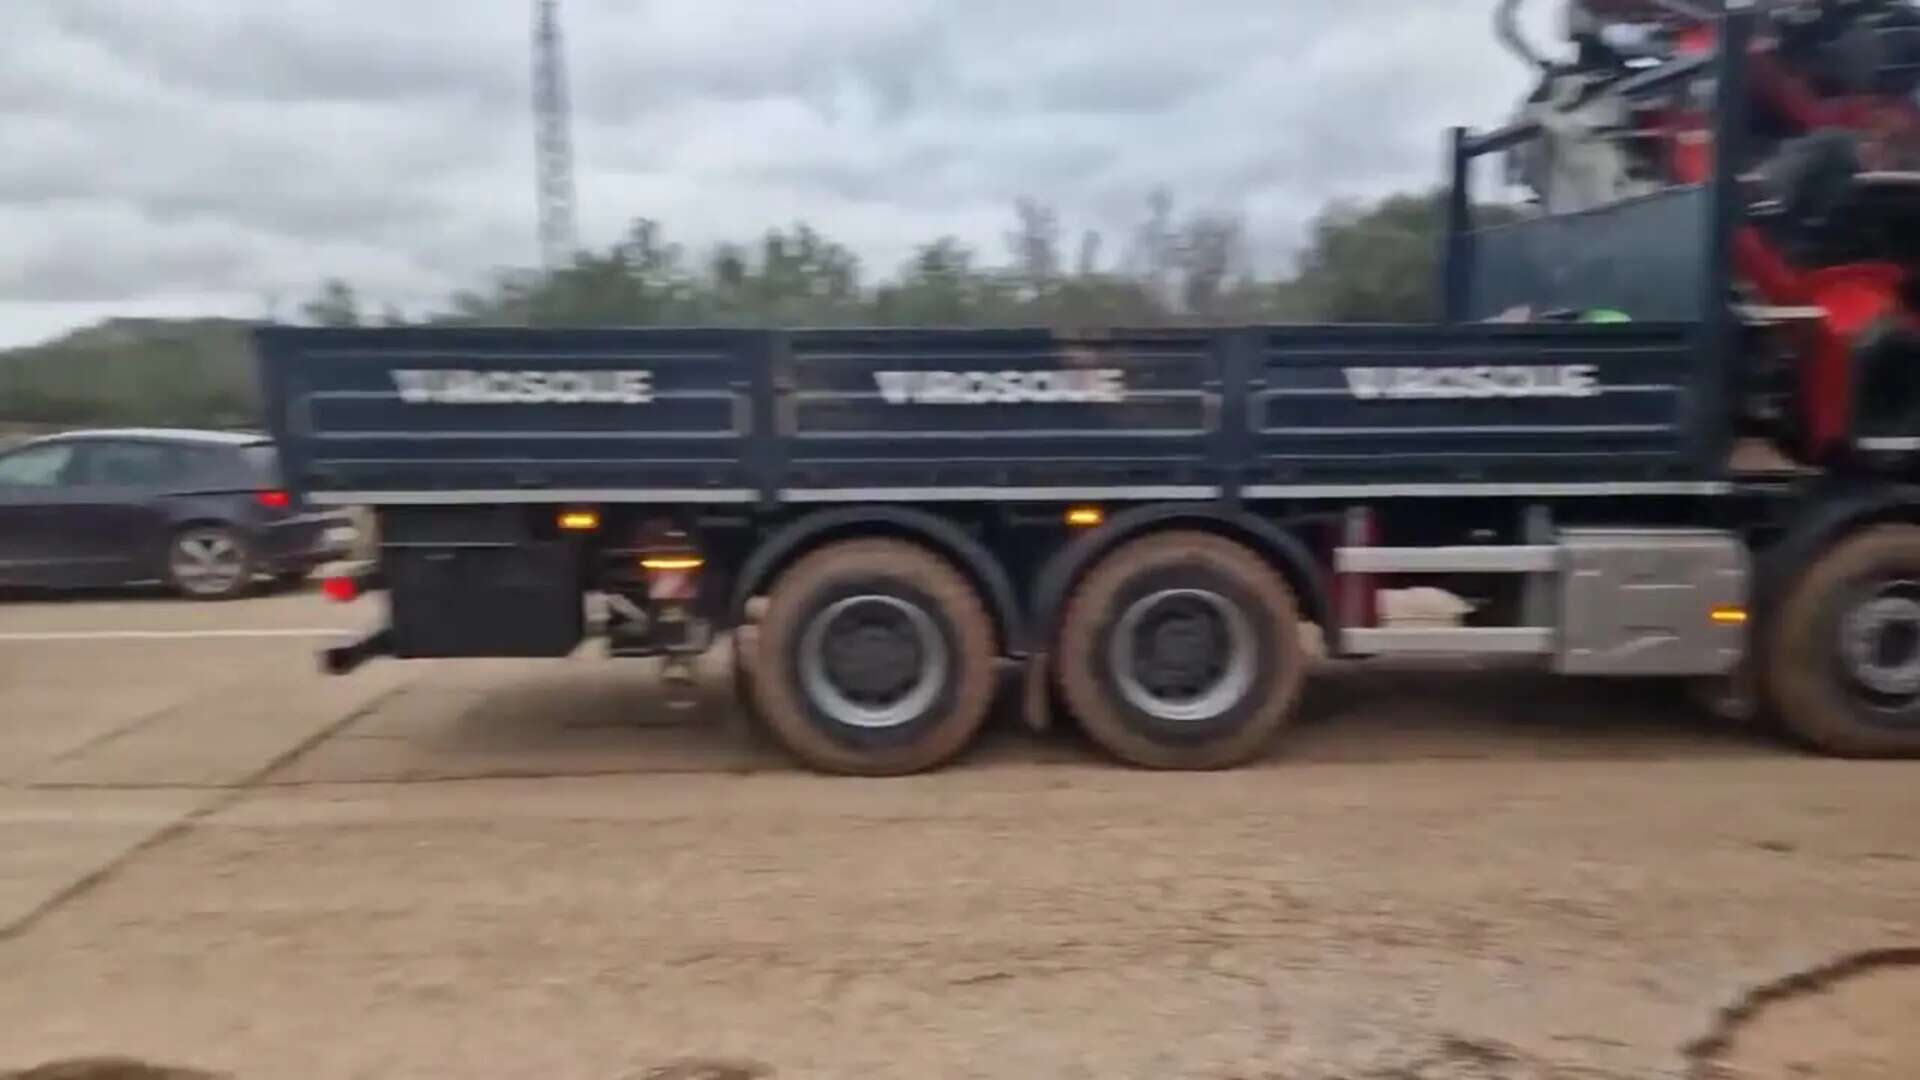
x=298 y=544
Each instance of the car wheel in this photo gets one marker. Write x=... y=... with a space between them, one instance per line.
x=209 y=562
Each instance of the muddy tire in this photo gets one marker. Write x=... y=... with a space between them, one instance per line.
x=1843 y=651
x=875 y=658
x=1182 y=651
x=745 y=642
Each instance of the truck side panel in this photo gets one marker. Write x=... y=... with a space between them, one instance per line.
x=906 y=410
x=1485 y=402
x=435 y=412
x=419 y=416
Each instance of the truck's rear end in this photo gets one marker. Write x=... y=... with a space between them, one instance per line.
x=511 y=471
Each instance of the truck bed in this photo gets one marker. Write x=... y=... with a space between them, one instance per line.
x=442 y=415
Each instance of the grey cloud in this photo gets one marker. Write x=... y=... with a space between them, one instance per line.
x=309 y=50
x=228 y=151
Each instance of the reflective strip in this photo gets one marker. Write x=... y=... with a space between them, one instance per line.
x=1447 y=560
x=1456 y=640
x=531 y=496
x=171 y=635
x=1454 y=491
x=1145 y=493
x=1888 y=444
x=998 y=494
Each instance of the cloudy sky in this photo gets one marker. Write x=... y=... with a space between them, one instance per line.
x=223 y=156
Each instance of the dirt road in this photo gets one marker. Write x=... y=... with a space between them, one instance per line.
x=211 y=857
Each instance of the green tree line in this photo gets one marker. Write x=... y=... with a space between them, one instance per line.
x=1360 y=263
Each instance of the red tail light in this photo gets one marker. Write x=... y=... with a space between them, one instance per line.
x=273 y=500
x=340 y=590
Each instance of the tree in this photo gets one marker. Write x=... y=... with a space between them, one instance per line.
x=940 y=286
x=336 y=305
x=1368 y=263
x=802 y=278
x=1211 y=248
x=1378 y=263
x=1153 y=258
x=1035 y=245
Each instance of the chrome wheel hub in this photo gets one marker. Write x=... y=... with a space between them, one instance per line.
x=207 y=562
x=1183 y=655
x=873 y=661
x=1880 y=640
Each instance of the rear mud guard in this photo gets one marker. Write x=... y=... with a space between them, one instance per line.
x=342 y=659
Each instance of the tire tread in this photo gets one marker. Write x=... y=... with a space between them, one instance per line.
x=1801 y=694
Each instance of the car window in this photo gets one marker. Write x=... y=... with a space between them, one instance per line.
x=264 y=461
x=131 y=464
x=216 y=467
x=36 y=466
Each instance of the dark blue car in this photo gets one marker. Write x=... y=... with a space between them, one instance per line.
x=203 y=511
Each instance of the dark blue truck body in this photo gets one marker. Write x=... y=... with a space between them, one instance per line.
x=434 y=416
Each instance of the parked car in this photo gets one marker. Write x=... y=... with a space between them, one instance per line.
x=203 y=511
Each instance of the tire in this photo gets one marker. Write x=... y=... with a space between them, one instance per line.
x=209 y=562
x=818 y=688
x=1843 y=649
x=750 y=716
x=1220 y=593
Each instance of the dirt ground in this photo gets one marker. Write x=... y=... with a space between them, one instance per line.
x=212 y=858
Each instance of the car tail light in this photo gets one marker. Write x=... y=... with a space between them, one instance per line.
x=340 y=590
x=273 y=499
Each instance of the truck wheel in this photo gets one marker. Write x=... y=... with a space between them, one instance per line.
x=1182 y=651
x=1844 y=653
x=875 y=658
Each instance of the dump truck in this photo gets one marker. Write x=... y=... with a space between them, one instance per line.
x=1145 y=531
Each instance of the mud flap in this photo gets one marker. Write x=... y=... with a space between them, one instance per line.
x=342 y=659
x=1886 y=404
x=1036 y=699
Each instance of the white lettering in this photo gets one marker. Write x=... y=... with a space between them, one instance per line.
x=1484 y=381
x=1082 y=386
x=461 y=387
x=416 y=387
x=897 y=387
x=634 y=387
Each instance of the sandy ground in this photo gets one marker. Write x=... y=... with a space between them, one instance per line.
x=211 y=857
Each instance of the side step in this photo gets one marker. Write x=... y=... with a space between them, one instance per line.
x=1612 y=601
x=1537 y=559
x=1454 y=640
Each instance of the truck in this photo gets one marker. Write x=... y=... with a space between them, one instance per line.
x=1144 y=530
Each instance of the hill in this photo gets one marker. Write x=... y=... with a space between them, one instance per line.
x=194 y=372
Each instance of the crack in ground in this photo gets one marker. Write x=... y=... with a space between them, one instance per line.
x=1703 y=1054
x=225 y=798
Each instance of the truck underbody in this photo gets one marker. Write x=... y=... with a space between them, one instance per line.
x=1148 y=521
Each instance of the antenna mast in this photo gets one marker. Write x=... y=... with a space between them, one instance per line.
x=553 y=139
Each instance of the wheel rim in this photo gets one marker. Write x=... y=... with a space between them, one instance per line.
x=1183 y=655
x=207 y=562
x=1880 y=644
x=873 y=661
